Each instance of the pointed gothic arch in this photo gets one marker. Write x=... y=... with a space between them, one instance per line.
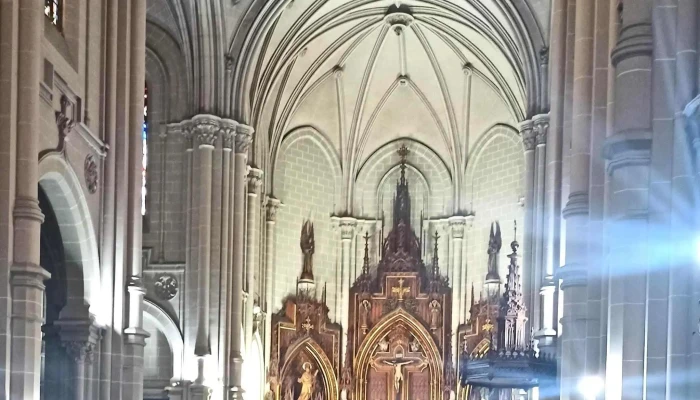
x=362 y=359
x=313 y=349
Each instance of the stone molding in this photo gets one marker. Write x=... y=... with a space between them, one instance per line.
x=578 y=204
x=634 y=40
x=271 y=207
x=628 y=148
x=28 y=275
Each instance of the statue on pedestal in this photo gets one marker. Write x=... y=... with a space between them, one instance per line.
x=307 y=245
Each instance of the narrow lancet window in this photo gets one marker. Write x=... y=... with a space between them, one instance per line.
x=53 y=10
x=144 y=156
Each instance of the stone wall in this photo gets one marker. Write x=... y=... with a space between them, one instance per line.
x=496 y=182
x=305 y=183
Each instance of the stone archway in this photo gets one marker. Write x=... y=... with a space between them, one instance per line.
x=66 y=196
x=69 y=250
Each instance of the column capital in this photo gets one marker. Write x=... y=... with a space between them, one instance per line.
x=206 y=128
x=79 y=333
x=347 y=226
x=458 y=224
x=271 y=207
x=255 y=176
x=244 y=137
x=228 y=133
x=540 y=125
x=527 y=134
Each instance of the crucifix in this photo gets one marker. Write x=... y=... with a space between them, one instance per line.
x=400 y=290
x=307 y=325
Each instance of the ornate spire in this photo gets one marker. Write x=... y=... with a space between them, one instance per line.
x=402 y=201
x=436 y=265
x=403 y=153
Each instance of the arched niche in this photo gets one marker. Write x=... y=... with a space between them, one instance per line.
x=306 y=350
x=254 y=370
x=378 y=332
x=82 y=265
x=155 y=316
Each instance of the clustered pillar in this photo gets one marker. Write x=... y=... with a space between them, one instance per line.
x=244 y=136
x=26 y=275
x=217 y=149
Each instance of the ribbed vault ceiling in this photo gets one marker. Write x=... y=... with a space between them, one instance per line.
x=363 y=72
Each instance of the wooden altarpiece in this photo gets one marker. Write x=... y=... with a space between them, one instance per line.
x=398 y=336
x=305 y=344
x=303 y=337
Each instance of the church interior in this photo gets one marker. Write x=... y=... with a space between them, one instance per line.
x=349 y=199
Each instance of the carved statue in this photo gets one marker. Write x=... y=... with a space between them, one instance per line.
x=398 y=374
x=414 y=345
x=307 y=245
x=495 y=243
x=365 y=306
x=307 y=382
x=435 y=315
x=383 y=345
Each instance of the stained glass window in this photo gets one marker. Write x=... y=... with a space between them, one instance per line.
x=52 y=9
x=144 y=156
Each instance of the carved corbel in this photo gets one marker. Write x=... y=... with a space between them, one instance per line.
x=65 y=125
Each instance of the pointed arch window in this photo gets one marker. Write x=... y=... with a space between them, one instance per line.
x=53 y=9
x=144 y=154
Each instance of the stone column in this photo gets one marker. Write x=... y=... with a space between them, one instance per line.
x=134 y=334
x=555 y=137
x=244 y=136
x=252 y=237
x=530 y=284
x=577 y=209
x=26 y=275
x=206 y=131
x=107 y=234
x=228 y=132
x=543 y=307
x=79 y=336
x=271 y=208
x=628 y=151
x=457 y=225
x=347 y=235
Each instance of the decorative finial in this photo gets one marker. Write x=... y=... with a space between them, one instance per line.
x=403 y=153
x=436 y=265
x=514 y=245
